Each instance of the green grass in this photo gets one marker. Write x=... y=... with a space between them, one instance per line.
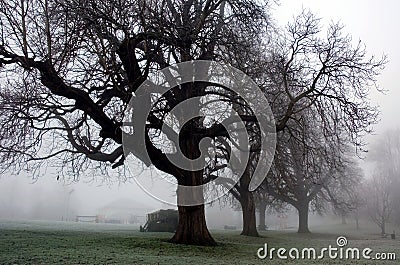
x=72 y=243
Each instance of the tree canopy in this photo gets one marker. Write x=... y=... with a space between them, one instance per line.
x=70 y=68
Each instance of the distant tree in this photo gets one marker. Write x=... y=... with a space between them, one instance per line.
x=312 y=82
x=379 y=200
x=344 y=193
x=265 y=203
x=307 y=76
x=357 y=202
x=310 y=175
x=385 y=156
x=241 y=193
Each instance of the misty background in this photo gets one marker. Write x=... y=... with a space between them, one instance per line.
x=47 y=198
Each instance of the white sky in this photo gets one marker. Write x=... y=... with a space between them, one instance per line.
x=374 y=22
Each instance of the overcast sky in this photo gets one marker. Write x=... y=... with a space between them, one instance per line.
x=373 y=22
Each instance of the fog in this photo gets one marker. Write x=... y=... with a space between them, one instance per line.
x=48 y=199
x=373 y=22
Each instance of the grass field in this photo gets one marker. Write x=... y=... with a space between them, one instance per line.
x=36 y=242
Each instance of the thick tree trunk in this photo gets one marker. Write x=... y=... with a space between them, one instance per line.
x=262 y=207
x=192 y=227
x=303 y=218
x=249 y=214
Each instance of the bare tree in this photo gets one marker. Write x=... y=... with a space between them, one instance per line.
x=70 y=68
x=358 y=202
x=385 y=156
x=326 y=72
x=345 y=194
x=266 y=203
x=307 y=76
x=379 y=201
x=312 y=174
x=313 y=82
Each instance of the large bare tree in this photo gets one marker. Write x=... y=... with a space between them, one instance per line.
x=70 y=68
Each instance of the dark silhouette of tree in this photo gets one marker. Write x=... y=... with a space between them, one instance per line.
x=309 y=75
x=311 y=174
x=266 y=203
x=70 y=68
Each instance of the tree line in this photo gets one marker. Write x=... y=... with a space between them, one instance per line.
x=69 y=70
